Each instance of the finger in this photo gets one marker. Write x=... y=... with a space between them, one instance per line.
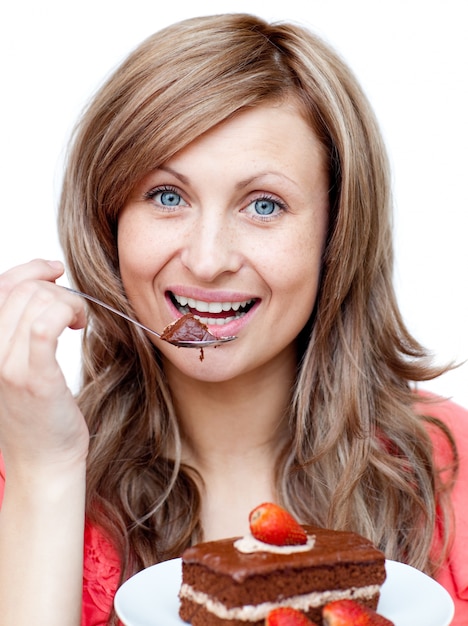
x=44 y=334
x=27 y=303
x=38 y=269
x=30 y=364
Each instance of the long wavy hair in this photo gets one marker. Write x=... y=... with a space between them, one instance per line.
x=359 y=457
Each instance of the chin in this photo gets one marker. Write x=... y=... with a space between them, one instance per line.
x=209 y=364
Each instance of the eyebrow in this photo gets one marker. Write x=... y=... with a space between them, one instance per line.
x=247 y=181
x=169 y=170
x=240 y=185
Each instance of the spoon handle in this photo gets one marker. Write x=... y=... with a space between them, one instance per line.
x=112 y=309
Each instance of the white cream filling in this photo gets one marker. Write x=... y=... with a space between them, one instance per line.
x=252 y=613
x=249 y=544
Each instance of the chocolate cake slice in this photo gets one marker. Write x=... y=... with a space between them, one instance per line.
x=187 y=328
x=222 y=586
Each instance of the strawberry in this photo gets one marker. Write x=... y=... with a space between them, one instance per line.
x=287 y=616
x=272 y=524
x=351 y=613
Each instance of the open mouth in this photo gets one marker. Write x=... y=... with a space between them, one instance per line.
x=215 y=313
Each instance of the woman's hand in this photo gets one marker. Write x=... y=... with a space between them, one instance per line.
x=40 y=423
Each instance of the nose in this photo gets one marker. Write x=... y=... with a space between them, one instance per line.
x=211 y=248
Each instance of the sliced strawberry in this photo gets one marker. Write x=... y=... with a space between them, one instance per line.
x=287 y=616
x=351 y=613
x=272 y=524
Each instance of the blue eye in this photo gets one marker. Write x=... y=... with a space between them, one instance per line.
x=265 y=206
x=168 y=198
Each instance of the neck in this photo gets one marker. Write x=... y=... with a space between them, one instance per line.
x=225 y=419
x=232 y=434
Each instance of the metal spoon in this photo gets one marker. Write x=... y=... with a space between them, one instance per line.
x=179 y=343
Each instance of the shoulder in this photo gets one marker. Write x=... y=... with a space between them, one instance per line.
x=447 y=424
x=444 y=409
x=450 y=415
x=454 y=573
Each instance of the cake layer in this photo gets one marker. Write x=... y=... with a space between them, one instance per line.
x=285 y=582
x=201 y=610
x=233 y=587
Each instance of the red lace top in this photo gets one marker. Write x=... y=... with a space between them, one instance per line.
x=101 y=564
x=100 y=578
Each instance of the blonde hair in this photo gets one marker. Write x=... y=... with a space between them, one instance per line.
x=359 y=457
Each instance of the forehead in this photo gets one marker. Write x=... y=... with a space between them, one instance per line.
x=263 y=135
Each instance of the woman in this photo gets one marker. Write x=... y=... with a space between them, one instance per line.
x=233 y=168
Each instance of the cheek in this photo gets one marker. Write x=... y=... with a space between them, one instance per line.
x=298 y=264
x=139 y=254
x=301 y=287
x=129 y=250
x=297 y=277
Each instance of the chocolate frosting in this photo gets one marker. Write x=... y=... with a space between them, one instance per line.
x=331 y=547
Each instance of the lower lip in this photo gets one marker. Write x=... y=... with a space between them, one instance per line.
x=225 y=330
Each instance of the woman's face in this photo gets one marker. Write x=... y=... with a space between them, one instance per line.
x=232 y=228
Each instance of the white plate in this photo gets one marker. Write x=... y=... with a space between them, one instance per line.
x=408 y=597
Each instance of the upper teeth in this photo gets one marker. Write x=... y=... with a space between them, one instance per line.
x=210 y=307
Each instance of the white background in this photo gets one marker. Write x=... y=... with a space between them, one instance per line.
x=410 y=55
